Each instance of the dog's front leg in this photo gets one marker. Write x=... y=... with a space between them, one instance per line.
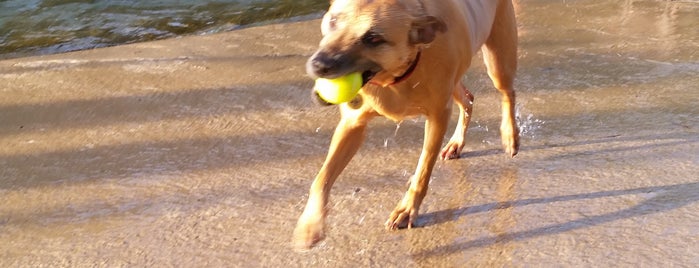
x=408 y=207
x=346 y=140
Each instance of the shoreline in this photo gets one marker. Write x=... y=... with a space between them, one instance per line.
x=49 y=49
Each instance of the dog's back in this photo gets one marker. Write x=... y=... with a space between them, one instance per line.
x=479 y=16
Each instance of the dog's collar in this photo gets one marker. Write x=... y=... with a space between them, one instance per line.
x=405 y=75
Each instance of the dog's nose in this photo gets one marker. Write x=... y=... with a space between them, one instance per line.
x=322 y=64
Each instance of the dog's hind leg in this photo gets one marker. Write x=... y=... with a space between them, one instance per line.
x=463 y=99
x=500 y=55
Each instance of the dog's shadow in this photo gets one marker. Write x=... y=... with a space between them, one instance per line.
x=481 y=153
x=664 y=198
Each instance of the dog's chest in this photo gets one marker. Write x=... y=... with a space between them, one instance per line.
x=393 y=103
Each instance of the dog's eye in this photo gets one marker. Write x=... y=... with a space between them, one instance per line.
x=332 y=22
x=373 y=39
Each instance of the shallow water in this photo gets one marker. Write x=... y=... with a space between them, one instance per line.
x=53 y=26
x=200 y=151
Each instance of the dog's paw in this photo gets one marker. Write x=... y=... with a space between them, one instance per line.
x=404 y=215
x=511 y=147
x=309 y=231
x=452 y=150
x=510 y=144
x=510 y=139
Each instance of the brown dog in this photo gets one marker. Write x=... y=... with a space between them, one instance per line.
x=412 y=54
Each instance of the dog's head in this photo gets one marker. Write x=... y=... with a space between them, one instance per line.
x=372 y=37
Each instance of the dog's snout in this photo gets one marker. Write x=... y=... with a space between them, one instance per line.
x=327 y=65
x=322 y=64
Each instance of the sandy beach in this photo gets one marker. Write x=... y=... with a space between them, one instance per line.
x=198 y=152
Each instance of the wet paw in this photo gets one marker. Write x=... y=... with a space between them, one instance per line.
x=309 y=231
x=511 y=149
x=511 y=145
x=404 y=215
x=510 y=140
x=452 y=150
x=400 y=218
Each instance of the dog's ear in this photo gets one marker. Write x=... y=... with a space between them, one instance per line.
x=425 y=29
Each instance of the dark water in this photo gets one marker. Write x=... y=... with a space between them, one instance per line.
x=31 y=27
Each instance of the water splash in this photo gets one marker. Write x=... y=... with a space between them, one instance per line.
x=527 y=125
x=395 y=134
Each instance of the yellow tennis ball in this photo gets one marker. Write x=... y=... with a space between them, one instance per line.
x=339 y=90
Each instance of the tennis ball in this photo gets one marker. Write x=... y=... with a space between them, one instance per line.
x=339 y=90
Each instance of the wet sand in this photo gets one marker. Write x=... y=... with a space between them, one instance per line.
x=199 y=151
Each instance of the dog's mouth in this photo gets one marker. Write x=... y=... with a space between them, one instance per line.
x=371 y=73
x=367 y=76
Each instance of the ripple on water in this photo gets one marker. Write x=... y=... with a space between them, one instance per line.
x=54 y=26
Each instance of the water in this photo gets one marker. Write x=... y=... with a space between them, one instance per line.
x=30 y=27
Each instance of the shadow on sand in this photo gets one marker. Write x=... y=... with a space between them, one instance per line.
x=665 y=198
